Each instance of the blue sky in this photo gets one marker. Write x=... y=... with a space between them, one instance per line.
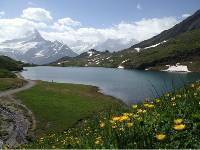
x=101 y=13
x=85 y=24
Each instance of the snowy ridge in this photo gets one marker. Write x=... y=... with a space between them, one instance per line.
x=35 y=49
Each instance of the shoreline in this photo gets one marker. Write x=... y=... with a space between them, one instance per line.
x=97 y=89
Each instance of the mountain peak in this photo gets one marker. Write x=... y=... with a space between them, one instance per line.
x=35 y=36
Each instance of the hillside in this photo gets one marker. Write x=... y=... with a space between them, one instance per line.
x=87 y=59
x=184 y=49
x=190 y=23
x=180 y=44
x=10 y=64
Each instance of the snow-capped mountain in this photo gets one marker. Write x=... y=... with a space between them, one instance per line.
x=33 y=48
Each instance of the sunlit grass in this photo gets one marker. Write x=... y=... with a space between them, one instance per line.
x=10 y=83
x=172 y=121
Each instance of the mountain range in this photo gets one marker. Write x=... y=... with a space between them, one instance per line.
x=33 y=48
x=178 y=45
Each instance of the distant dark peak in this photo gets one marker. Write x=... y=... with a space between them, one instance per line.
x=92 y=50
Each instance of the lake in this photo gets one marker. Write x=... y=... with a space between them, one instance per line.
x=128 y=85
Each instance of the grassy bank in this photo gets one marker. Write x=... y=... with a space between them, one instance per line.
x=60 y=106
x=6 y=74
x=10 y=83
x=172 y=121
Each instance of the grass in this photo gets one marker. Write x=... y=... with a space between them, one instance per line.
x=10 y=64
x=58 y=107
x=10 y=83
x=6 y=74
x=172 y=121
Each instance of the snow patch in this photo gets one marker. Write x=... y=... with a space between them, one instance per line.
x=90 y=53
x=155 y=45
x=124 y=61
x=177 y=68
x=120 y=67
x=137 y=49
x=97 y=55
x=108 y=58
x=39 y=54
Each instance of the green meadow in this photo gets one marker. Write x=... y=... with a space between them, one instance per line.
x=58 y=106
x=171 y=121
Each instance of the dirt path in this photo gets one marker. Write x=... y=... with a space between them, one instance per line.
x=28 y=85
x=21 y=118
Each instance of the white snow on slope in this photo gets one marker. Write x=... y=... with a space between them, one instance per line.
x=39 y=54
x=19 y=46
x=137 y=49
x=155 y=45
x=124 y=61
x=177 y=68
x=90 y=53
x=120 y=67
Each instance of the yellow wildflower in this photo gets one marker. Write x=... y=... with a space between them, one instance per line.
x=144 y=111
x=195 y=94
x=160 y=136
x=139 y=110
x=157 y=100
x=173 y=98
x=114 y=126
x=116 y=118
x=148 y=105
x=178 y=121
x=151 y=106
x=135 y=116
x=192 y=85
x=134 y=106
x=126 y=114
x=139 y=118
x=123 y=118
x=129 y=124
x=179 y=127
x=102 y=124
x=97 y=142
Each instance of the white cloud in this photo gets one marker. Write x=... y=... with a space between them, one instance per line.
x=37 y=14
x=138 y=6
x=81 y=38
x=68 y=22
x=185 y=15
x=2 y=13
x=65 y=24
x=17 y=27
